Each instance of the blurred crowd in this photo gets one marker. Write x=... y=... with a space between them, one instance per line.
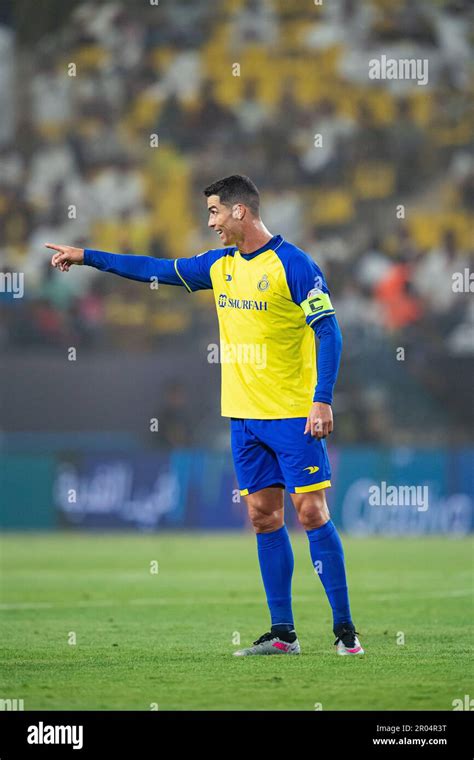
x=126 y=113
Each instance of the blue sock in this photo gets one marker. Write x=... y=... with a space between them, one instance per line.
x=276 y=565
x=326 y=549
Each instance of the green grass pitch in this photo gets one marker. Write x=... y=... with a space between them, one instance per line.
x=145 y=639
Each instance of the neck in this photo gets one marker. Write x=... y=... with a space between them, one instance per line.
x=254 y=237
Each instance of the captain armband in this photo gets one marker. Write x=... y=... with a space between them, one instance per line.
x=316 y=304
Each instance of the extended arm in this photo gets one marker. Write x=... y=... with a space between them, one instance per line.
x=142 y=268
x=192 y=273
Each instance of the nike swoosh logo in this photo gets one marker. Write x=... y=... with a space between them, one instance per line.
x=312 y=469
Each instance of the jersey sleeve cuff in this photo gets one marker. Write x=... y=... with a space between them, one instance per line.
x=323 y=396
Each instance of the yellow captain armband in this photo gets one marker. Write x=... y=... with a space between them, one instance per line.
x=316 y=303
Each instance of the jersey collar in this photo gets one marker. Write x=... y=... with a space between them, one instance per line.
x=271 y=245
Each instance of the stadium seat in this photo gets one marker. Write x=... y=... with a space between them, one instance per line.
x=374 y=181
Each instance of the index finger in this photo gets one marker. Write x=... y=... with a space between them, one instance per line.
x=54 y=247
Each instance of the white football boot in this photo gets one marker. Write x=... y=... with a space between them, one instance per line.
x=346 y=640
x=270 y=643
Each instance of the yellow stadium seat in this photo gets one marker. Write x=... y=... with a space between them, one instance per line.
x=427 y=228
x=328 y=60
x=331 y=207
x=421 y=104
x=228 y=89
x=455 y=135
x=161 y=57
x=287 y=9
x=143 y=113
x=381 y=104
x=86 y=57
x=373 y=181
x=169 y=321
x=52 y=130
x=119 y=312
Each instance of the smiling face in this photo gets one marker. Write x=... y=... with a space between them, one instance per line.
x=226 y=221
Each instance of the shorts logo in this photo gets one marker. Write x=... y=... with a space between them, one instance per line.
x=263 y=284
x=228 y=277
x=312 y=469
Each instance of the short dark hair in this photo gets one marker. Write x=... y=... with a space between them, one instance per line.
x=236 y=189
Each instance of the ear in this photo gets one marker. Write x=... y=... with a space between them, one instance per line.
x=238 y=211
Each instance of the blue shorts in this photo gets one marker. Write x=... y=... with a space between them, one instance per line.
x=276 y=452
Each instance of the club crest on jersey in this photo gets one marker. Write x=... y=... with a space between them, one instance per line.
x=263 y=284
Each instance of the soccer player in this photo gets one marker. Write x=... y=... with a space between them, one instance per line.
x=271 y=298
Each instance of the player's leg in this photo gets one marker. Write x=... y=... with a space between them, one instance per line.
x=327 y=556
x=306 y=472
x=326 y=550
x=275 y=556
x=260 y=483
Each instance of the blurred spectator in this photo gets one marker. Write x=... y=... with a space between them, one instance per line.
x=183 y=76
x=51 y=95
x=252 y=114
x=52 y=162
x=433 y=275
x=371 y=141
x=255 y=22
x=213 y=118
x=406 y=145
x=118 y=189
x=373 y=265
x=400 y=307
x=331 y=155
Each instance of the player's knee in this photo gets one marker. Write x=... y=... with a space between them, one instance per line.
x=313 y=513
x=264 y=522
